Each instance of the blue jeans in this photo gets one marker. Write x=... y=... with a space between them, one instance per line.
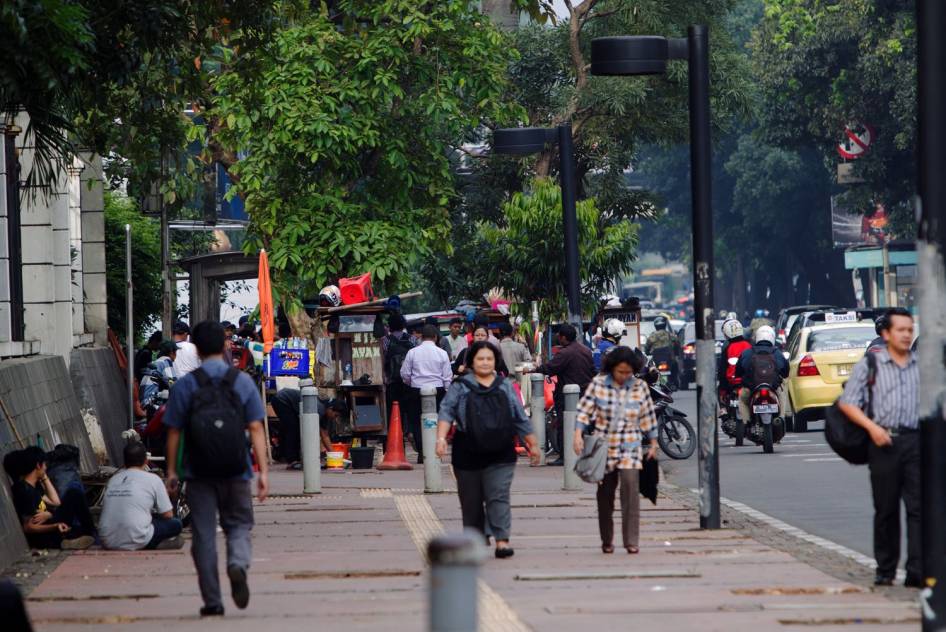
x=164 y=528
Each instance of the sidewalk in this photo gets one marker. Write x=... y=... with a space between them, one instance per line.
x=350 y=559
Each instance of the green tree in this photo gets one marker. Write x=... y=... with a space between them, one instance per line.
x=346 y=123
x=146 y=264
x=525 y=253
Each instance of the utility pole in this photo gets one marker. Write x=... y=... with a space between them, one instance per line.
x=931 y=244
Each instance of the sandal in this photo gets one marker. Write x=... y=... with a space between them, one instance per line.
x=607 y=548
x=633 y=550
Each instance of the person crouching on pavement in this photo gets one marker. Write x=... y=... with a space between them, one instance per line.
x=619 y=405
x=131 y=495
x=214 y=406
x=48 y=521
x=488 y=415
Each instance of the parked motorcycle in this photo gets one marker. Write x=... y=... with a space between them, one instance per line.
x=674 y=433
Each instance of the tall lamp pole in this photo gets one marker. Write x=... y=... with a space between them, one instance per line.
x=530 y=140
x=931 y=245
x=648 y=55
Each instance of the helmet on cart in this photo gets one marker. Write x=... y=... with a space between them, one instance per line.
x=765 y=334
x=732 y=328
x=660 y=323
x=614 y=328
x=330 y=296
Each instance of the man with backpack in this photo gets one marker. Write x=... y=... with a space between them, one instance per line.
x=763 y=363
x=394 y=348
x=210 y=411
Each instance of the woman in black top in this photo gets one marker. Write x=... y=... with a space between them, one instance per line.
x=480 y=334
x=48 y=521
x=488 y=415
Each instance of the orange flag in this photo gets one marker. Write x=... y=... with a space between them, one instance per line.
x=266 y=302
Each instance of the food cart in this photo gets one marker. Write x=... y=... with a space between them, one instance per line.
x=630 y=315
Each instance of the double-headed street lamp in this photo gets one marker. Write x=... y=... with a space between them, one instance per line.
x=648 y=55
x=530 y=140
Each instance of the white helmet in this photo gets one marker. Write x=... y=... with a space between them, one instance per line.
x=330 y=296
x=732 y=328
x=765 y=334
x=614 y=328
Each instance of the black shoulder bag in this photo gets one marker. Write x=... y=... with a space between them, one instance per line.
x=847 y=439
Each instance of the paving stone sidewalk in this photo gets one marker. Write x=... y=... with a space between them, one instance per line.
x=350 y=559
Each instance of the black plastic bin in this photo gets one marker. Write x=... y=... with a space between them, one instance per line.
x=362 y=458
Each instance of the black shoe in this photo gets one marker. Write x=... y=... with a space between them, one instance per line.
x=913 y=581
x=558 y=461
x=238 y=587
x=211 y=611
x=420 y=459
x=504 y=552
x=883 y=580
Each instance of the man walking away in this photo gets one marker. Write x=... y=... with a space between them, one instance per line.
x=573 y=364
x=514 y=353
x=890 y=417
x=186 y=360
x=394 y=348
x=426 y=365
x=213 y=407
x=130 y=497
x=456 y=339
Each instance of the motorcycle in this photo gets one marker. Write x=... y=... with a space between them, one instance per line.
x=765 y=427
x=730 y=422
x=663 y=361
x=674 y=433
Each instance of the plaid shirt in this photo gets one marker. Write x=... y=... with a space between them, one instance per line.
x=624 y=413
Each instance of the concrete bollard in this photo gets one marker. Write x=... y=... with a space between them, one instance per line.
x=433 y=481
x=538 y=413
x=525 y=384
x=311 y=440
x=453 y=594
x=571 y=480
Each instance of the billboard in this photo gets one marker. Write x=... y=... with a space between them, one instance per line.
x=853 y=227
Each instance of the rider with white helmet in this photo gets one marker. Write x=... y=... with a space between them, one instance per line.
x=611 y=333
x=763 y=363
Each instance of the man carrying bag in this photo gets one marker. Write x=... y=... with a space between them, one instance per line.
x=891 y=422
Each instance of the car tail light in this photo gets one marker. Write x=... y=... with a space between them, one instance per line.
x=807 y=367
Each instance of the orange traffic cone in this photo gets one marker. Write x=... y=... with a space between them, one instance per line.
x=394 y=455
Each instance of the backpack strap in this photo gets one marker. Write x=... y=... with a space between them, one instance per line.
x=230 y=377
x=871 y=380
x=201 y=376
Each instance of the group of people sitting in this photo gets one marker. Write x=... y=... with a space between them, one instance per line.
x=136 y=510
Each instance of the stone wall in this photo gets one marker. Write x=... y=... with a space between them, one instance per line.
x=103 y=401
x=39 y=408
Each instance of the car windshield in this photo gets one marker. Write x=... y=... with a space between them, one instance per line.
x=840 y=338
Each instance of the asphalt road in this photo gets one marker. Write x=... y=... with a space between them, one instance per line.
x=803 y=483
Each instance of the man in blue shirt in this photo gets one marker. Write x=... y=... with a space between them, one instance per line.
x=230 y=496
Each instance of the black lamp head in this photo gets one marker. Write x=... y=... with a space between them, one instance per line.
x=629 y=55
x=522 y=140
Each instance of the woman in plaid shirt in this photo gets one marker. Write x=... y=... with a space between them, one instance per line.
x=619 y=405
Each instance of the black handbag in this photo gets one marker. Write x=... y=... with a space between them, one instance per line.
x=847 y=439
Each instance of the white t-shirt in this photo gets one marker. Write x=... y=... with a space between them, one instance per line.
x=130 y=498
x=186 y=360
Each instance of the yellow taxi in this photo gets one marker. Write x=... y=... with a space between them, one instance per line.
x=820 y=361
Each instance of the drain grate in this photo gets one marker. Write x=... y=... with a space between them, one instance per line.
x=641 y=574
x=90 y=598
x=799 y=590
x=852 y=621
x=352 y=574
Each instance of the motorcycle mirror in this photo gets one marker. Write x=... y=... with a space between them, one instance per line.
x=733 y=361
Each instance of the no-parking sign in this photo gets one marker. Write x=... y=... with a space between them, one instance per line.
x=857 y=140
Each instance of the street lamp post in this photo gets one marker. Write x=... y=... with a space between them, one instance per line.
x=648 y=55
x=530 y=140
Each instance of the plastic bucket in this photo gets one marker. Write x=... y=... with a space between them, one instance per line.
x=335 y=459
x=362 y=458
x=341 y=447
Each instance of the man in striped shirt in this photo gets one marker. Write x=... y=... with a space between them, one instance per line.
x=892 y=422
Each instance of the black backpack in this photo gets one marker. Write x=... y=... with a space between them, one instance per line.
x=397 y=351
x=489 y=423
x=763 y=369
x=216 y=439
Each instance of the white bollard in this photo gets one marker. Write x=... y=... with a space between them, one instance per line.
x=538 y=413
x=433 y=480
x=311 y=439
x=571 y=481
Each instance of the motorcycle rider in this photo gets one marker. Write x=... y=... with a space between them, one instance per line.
x=662 y=342
x=611 y=334
x=762 y=363
x=760 y=319
x=734 y=346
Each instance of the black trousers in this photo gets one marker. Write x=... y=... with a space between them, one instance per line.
x=895 y=476
x=74 y=512
x=286 y=406
x=411 y=405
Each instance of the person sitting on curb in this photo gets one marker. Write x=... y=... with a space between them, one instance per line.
x=286 y=404
x=130 y=497
x=48 y=521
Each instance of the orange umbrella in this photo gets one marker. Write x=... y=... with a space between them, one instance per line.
x=266 y=302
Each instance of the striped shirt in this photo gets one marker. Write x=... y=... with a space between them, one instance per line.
x=624 y=413
x=896 y=391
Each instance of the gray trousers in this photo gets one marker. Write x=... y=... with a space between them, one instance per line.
x=484 y=498
x=630 y=506
x=233 y=500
